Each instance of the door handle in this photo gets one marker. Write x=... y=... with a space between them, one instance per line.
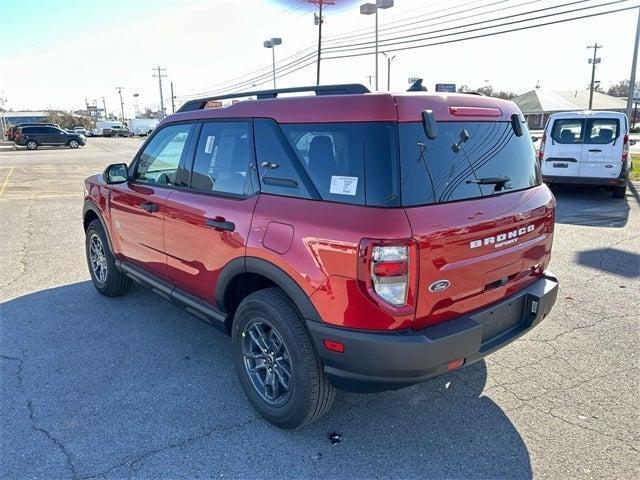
x=150 y=207
x=220 y=223
x=595 y=150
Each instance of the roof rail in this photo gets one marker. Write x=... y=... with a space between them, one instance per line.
x=344 y=89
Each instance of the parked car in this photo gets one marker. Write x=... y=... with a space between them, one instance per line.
x=347 y=239
x=33 y=137
x=587 y=148
x=11 y=131
x=102 y=124
x=81 y=129
x=116 y=131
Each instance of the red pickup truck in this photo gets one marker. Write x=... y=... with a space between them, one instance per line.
x=346 y=239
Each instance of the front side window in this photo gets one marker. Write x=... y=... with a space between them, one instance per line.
x=224 y=160
x=466 y=160
x=602 y=130
x=159 y=161
x=567 y=130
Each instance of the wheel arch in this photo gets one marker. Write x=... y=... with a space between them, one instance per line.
x=91 y=212
x=262 y=274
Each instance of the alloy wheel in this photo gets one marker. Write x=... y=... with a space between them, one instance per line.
x=267 y=362
x=98 y=258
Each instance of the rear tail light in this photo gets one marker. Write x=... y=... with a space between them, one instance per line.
x=390 y=273
x=625 y=148
x=541 y=150
x=387 y=273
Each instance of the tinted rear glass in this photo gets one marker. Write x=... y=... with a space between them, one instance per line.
x=567 y=130
x=450 y=167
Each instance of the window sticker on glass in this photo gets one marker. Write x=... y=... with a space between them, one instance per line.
x=208 y=148
x=344 y=185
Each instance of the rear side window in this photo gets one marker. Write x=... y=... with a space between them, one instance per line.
x=334 y=156
x=567 y=130
x=464 y=161
x=602 y=130
x=224 y=159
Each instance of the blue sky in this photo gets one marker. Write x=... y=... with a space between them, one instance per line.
x=56 y=53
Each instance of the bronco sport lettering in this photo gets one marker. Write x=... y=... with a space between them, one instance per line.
x=503 y=239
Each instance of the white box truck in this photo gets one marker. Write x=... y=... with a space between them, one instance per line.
x=142 y=126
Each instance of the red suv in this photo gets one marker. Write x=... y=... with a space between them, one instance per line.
x=348 y=239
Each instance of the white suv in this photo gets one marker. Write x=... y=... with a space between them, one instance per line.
x=588 y=148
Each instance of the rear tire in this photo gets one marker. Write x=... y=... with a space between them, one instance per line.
x=107 y=279
x=31 y=145
x=619 y=192
x=271 y=316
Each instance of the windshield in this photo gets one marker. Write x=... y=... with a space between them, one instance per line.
x=466 y=160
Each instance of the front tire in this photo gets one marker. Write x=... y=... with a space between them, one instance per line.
x=31 y=145
x=115 y=135
x=107 y=279
x=73 y=144
x=278 y=367
x=619 y=192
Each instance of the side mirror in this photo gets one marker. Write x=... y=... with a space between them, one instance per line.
x=116 y=173
x=632 y=142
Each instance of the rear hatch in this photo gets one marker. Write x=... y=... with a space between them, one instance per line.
x=482 y=218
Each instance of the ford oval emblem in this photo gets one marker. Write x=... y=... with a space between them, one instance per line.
x=439 y=286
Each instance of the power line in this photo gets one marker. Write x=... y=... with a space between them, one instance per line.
x=421 y=36
x=397 y=49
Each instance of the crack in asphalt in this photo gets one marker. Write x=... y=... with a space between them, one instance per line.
x=22 y=254
x=136 y=461
x=33 y=420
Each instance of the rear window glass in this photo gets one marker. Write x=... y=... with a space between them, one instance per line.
x=567 y=130
x=466 y=160
x=334 y=156
x=602 y=130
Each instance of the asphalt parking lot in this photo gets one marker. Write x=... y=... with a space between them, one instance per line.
x=133 y=387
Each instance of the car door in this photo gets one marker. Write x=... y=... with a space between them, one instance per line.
x=602 y=149
x=43 y=135
x=563 y=150
x=58 y=136
x=138 y=207
x=206 y=226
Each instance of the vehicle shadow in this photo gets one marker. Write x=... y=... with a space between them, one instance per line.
x=611 y=260
x=133 y=386
x=590 y=206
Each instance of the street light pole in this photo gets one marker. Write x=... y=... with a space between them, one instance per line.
x=121 y=103
x=593 y=61
x=389 y=60
x=632 y=77
x=372 y=9
x=272 y=45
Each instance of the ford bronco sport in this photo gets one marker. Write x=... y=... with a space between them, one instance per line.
x=346 y=239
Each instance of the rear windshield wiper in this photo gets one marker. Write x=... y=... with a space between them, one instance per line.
x=500 y=182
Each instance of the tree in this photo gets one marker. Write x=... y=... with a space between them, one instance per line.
x=489 y=91
x=66 y=120
x=621 y=89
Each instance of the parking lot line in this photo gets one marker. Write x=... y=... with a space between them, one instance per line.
x=6 y=181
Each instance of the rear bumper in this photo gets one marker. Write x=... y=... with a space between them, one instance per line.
x=604 y=182
x=375 y=361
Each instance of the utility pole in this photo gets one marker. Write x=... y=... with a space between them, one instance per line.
x=160 y=75
x=369 y=77
x=121 y=103
x=632 y=77
x=593 y=61
x=173 y=104
x=319 y=20
x=104 y=106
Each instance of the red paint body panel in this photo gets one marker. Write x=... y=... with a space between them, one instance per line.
x=197 y=253
x=444 y=233
x=136 y=234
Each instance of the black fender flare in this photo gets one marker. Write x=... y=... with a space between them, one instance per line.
x=89 y=205
x=273 y=273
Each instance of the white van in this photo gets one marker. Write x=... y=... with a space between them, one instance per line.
x=587 y=148
x=102 y=124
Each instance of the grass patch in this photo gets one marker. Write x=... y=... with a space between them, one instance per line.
x=635 y=172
